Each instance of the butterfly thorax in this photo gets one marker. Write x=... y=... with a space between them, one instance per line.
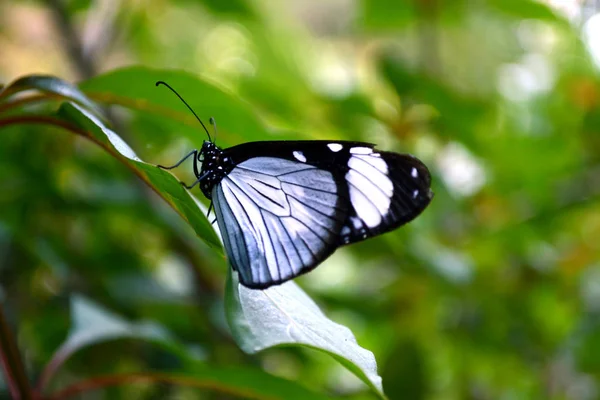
x=215 y=165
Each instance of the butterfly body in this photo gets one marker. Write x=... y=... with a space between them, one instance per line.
x=284 y=206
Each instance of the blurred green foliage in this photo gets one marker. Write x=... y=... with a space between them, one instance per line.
x=494 y=292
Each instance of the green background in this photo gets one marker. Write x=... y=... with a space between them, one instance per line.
x=492 y=293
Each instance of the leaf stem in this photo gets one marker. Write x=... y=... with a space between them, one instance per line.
x=64 y=25
x=16 y=377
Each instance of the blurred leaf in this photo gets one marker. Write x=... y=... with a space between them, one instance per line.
x=236 y=7
x=75 y=6
x=530 y=9
x=241 y=383
x=387 y=14
x=93 y=325
x=255 y=384
x=458 y=112
x=404 y=375
x=160 y=180
x=50 y=85
x=586 y=345
x=285 y=315
x=135 y=88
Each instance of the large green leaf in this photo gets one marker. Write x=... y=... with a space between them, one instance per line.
x=134 y=88
x=160 y=180
x=284 y=315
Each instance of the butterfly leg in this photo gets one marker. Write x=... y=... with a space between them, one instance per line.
x=200 y=178
x=193 y=152
x=189 y=186
x=209 y=208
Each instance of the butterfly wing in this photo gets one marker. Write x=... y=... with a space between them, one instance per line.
x=278 y=218
x=386 y=190
x=286 y=206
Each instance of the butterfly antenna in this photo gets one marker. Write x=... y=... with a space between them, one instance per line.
x=188 y=106
x=214 y=125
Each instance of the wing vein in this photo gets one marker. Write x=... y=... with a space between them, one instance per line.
x=366 y=197
x=260 y=193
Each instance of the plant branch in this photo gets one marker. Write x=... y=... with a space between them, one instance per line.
x=83 y=65
x=99 y=382
x=16 y=377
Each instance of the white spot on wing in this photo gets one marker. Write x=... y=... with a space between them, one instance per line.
x=371 y=190
x=364 y=165
x=376 y=195
x=361 y=150
x=298 y=155
x=376 y=162
x=414 y=173
x=364 y=208
x=415 y=193
x=335 y=147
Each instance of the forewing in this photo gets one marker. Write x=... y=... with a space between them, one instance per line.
x=278 y=218
x=386 y=190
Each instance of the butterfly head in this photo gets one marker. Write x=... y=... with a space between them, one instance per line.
x=215 y=166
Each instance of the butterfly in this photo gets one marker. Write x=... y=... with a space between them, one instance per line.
x=283 y=207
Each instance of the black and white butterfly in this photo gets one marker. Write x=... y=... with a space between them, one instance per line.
x=285 y=206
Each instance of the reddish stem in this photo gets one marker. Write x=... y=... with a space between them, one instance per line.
x=105 y=381
x=16 y=377
x=28 y=100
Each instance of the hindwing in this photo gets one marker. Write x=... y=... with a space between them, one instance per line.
x=278 y=218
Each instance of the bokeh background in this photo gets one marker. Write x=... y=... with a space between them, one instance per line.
x=493 y=293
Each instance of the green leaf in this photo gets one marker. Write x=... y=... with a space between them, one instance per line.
x=163 y=182
x=457 y=111
x=254 y=384
x=92 y=325
x=404 y=374
x=285 y=315
x=525 y=9
x=135 y=88
x=50 y=85
x=387 y=15
x=230 y=7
